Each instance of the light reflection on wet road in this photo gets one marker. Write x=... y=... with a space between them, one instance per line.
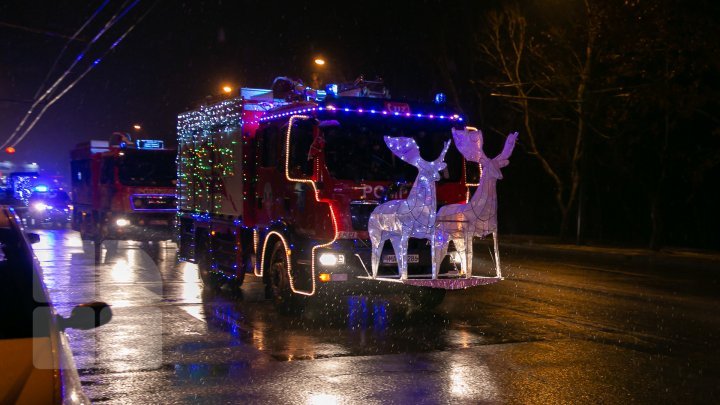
x=549 y=333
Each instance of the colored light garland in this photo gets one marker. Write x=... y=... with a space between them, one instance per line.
x=205 y=153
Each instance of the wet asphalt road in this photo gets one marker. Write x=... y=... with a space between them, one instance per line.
x=552 y=332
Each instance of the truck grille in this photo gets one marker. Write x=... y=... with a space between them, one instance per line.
x=141 y=202
x=360 y=214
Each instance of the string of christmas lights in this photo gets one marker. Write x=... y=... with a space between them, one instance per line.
x=206 y=154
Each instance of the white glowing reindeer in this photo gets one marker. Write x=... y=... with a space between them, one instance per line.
x=461 y=222
x=414 y=217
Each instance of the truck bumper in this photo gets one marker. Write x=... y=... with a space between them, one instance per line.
x=142 y=227
x=351 y=273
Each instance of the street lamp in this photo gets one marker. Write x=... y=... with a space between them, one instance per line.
x=316 y=80
x=227 y=89
x=137 y=127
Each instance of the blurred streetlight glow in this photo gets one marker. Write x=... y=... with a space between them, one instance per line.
x=227 y=89
x=137 y=126
x=319 y=61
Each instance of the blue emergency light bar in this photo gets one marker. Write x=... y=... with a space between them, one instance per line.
x=364 y=111
x=41 y=188
x=149 y=144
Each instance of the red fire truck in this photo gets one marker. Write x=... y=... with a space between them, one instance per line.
x=280 y=183
x=123 y=190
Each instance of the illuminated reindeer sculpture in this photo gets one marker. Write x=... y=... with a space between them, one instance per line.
x=459 y=223
x=414 y=217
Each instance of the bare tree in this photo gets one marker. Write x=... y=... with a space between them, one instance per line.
x=544 y=75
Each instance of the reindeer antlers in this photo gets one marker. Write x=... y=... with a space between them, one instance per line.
x=469 y=142
x=507 y=149
x=441 y=158
x=404 y=148
x=407 y=150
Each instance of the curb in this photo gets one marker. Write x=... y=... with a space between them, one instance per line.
x=674 y=259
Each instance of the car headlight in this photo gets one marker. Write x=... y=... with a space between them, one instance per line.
x=331 y=259
x=40 y=206
x=122 y=222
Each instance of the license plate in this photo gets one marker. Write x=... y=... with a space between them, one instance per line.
x=391 y=259
x=158 y=222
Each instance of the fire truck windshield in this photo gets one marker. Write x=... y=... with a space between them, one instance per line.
x=147 y=168
x=357 y=151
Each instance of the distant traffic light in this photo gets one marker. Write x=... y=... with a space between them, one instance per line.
x=10 y=150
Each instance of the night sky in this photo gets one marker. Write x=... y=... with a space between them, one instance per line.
x=181 y=52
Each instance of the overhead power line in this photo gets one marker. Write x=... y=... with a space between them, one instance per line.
x=62 y=52
x=81 y=56
x=83 y=74
x=41 y=32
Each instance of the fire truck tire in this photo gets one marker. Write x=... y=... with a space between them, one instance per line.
x=283 y=298
x=208 y=278
x=239 y=278
x=98 y=237
x=97 y=248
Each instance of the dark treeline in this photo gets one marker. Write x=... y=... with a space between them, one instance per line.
x=617 y=107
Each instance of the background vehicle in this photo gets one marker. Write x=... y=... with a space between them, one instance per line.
x=48 y=208
x=17 y=190
x=281 y=183
x=123 y=191
x=38 y=366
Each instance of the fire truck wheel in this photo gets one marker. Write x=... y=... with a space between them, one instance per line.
x=97 y=250
x=283 y=298
x=208 y=278
x=98 y=235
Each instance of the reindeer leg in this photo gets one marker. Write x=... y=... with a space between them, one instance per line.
x=403 y=258
x=439 y=250
x=498 y=273
x=459 y=244
x=468 y=254
x=433 y=265
x=375 y=258
x=400 y=247
x=395 y=241
x=377 y=242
